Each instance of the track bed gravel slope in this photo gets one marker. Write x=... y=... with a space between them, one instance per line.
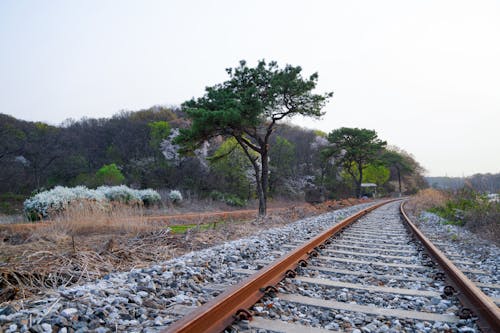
x=149 y=299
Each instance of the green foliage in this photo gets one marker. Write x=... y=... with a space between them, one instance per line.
x=109 y=175
x=377 y=174
x=159 y=131
x=250 y=98
x=354 y=149
x=392 y=158
x=246 y=107
x=404 y=169
x=34 y=155
x=183 y=228
x=462 y=205
x=230 y=199
x=86 y=179
x=320 y=133
x=42 y=127
x=231 y=167
x=234 y=201
x=282 y=155
x=372 y=173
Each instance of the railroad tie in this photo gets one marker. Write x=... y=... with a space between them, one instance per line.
x=281 y=326
x=334 y=305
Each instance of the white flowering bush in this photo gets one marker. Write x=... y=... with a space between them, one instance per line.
x=175 y=196
x=82 y=192
x=57 y=199
x=149 y=197
x=120 y=193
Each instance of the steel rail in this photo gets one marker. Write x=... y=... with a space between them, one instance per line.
x=217 y=314
x=469 y=294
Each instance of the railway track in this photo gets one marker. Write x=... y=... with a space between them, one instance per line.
x=375 y=275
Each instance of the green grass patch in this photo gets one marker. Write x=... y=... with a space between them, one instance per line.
x=182 y=228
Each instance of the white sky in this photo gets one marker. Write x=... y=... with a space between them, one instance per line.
x=424 y=74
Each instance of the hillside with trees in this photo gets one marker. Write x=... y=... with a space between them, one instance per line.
x=138 y=149
x=233 y=144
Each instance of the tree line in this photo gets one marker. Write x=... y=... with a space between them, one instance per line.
x=232 y=143
x=247 y=108
x=482 y=182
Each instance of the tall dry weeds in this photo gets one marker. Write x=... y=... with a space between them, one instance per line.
x=482 y=219
x=86 y=218
x=86 y=242
x=82 y=243
x=425 y=200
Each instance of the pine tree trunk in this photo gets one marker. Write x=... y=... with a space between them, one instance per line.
x=262 y=203
x=264 y=184
x=358 y=183
x=260 y=191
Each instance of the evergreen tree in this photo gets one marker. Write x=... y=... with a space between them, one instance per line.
x=247 y=107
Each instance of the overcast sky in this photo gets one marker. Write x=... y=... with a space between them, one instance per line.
x=424 y=74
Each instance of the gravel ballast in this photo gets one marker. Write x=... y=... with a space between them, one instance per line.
x=385 y=220
x=149 y=299
x=460 y=244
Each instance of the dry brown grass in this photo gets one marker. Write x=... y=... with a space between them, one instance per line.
x=482 y=218
x=81 y=244
x=426 y=199
x=86 y=242
x=85 y=219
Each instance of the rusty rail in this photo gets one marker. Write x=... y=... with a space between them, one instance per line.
x=219 y=313
x=469 y=294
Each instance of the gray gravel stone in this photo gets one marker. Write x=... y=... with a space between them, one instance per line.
x=149 y=299
x=384 y=218
x=143 y=298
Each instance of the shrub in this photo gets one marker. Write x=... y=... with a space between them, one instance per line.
x=235 y=201
x=175 y=196
x=216 y=195
x=109 y=175
x=230 y=199
x=58 y=199
x=149 y=197
x=120 y=193
x=485 y=220
x=454 y=210
x=472 y=210
x=54 y=200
